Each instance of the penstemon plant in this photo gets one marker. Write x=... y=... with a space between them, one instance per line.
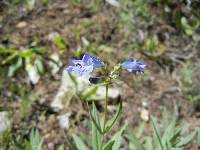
x=85 y=67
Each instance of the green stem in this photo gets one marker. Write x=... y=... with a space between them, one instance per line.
x=105 y=117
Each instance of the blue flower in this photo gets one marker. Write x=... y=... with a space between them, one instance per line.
x=133 y=66
x=85 y=66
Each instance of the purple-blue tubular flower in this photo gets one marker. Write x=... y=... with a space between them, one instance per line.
x=133 y=66
x=85 y=66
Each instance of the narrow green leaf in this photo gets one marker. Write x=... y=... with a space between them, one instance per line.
x=132 y=138
x=80 y=145
x=14 y=67
x=156 y=131
x=37 y=50
x=165 y=118
x=25 y=53
x=85 y=137
x=96 y=133
x=73 y=79
x=169 y=132
x=39 y=65
x=9 y=58
x=95 y=118
x=36 y=140
x=27 y=145
x=89 y=93
x=114 y=119
x=139 y=130
x=8 y=51
x=186 y=140
x=198 y=139
x=184 y=129
x=148 y=143
x=117 y=138
x=109 y=146
x=60 y=43
x=174 y=138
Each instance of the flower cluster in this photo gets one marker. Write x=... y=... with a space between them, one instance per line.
x=88 y=64
x=133 y=66
x=85 y=66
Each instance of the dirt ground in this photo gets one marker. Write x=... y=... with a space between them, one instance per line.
x=158 y=89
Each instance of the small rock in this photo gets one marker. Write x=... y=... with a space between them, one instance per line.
x=145 y=104
x=112 y=92
x=64 y=120
x=4 y=121
x=67 y=90
x=57 y=104
x=21 y=24
x=51 y=146
x=144 y=114
x=66 y=11
x=114 y=3
x=42 y=100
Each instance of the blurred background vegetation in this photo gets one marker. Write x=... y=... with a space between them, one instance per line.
x=42 y=107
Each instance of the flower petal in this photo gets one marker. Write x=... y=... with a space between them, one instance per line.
x=81 y=70
x=131 y=60
x=76 y=61
x=72 y=69
x=86 y=58
x=97 y=63
x=85 y=70
x=129 y=65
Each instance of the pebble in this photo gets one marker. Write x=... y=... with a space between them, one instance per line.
x=144 y=114
x=64 y=120
x=21 y=24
